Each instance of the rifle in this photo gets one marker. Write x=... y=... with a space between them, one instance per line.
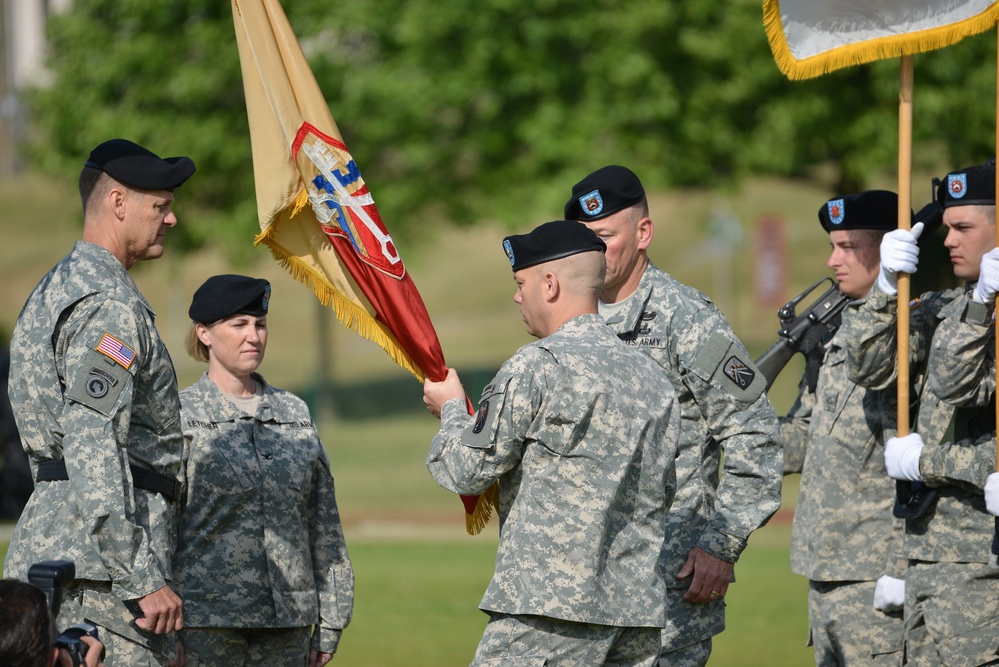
x=803 y=333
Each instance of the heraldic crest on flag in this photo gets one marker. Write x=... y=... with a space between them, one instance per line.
x=812 y=37
x=315 y=211
x=341 y=201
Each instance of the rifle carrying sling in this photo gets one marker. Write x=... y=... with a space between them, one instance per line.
x=167 y=486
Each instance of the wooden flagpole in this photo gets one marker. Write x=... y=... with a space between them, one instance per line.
x=904 y=222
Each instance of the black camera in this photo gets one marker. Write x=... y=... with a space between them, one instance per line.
x=50 y=576
x=69 y=640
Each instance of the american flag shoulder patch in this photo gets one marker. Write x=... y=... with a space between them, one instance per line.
x=116 y=350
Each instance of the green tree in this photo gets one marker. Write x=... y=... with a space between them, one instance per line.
x=493 y=109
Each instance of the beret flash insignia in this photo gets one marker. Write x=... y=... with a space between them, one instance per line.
x=837 y=211
x=957 y=185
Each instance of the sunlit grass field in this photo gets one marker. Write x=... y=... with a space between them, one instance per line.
x=419 y=577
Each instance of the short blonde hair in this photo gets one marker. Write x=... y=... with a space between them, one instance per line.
x=195 y=348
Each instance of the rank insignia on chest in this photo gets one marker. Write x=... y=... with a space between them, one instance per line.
x=116 y=350
x=738 y=372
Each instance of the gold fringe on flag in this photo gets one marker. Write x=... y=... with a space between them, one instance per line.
x=488 y=501
x=349 y=313
x=865 y=51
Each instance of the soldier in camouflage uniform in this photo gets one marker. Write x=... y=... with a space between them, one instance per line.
x=580 y=432
x=723 y=405
x=95 y=397
x=951 y=588
x=845 y=539
x=261 y=561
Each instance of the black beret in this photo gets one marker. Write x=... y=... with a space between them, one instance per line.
x=229 y=294
x=604 y=192
x=968 y=187
x=138 y=167
x=550 y=241
x=871 y=209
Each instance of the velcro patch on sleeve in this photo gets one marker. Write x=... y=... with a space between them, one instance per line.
x=484 y=428
x=116 y=350
x=724 y=362
x=98 y=383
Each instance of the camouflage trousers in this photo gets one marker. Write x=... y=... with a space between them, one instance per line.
x=531 y=641
x=847 y=631
x=695 y=655
x=239 y=647
x=687 y=623
x=125 y=644
x=951 y=614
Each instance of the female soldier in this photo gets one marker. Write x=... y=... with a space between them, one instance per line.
x=261 y=563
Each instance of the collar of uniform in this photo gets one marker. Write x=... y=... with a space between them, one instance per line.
x=586 y=321
x=627 y=319
x=104 y=257
x=221 y=409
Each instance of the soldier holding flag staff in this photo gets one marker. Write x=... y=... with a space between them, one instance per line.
x=580 y=431
x=951 y=588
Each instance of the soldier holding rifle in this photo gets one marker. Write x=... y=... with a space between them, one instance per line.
x=844 y=538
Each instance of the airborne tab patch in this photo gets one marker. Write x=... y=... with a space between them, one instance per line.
x=116 y=350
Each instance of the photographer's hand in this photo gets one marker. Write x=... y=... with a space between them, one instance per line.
x=93 y=659
x=162 y=612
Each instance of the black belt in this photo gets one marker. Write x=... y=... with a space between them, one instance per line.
x=54 y=471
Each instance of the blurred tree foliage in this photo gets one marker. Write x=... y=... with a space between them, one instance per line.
x=492 y=109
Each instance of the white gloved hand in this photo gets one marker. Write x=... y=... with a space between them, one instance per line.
x=988 y=278
x=992 y=494
x=902 y=457
x=899 y=254
x=889 y=594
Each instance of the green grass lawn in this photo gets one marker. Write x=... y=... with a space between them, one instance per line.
x=417 y=602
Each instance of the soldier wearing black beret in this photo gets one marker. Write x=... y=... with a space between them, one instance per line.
x=88 y=364
x=259 y=484
x=844 y=536
x=578 y=432
x=723 y=401
x=941 y=464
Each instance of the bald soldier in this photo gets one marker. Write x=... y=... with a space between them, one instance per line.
x=580 y=432
x=723 y=405
x=95 y=397
x=844 y=538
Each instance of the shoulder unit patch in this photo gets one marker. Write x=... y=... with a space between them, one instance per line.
x=738 y=372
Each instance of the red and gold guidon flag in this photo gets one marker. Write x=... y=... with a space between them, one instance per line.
x=812 y=37
x=316 y=213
